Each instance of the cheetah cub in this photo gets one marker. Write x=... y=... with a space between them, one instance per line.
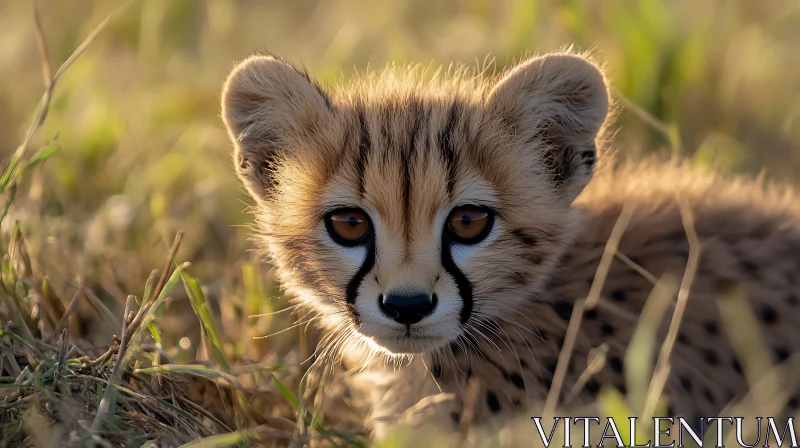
x=449 y=221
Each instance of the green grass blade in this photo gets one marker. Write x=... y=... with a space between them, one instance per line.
x=286 y=393
x=8 y=174
x=204 y=314
x=188 y=369
x=223 y=440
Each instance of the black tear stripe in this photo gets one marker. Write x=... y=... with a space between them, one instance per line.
x=463 y=284
x=446 y=146
x=364 y=148
x=351 y=290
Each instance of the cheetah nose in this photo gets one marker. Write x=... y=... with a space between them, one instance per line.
x=407 y=309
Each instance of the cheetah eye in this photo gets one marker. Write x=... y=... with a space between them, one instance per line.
x=470 y=224
x=348 y=226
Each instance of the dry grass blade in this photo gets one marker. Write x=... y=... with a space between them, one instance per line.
x=109 y=318
x=596 y=362
x=44 y=103
x=73 y=304
x=425 y=408
x=470 y=408
x=108 y=394
x=41 y=45
x=130 y=324
x=577 y=312
x=145 y=308
x=647 y=118
x=637 y=267
x=170 y=259
x=662 y=365
x=638 y=356
x=766 y=397
x=563 y=360
x=608 y=255
x=61 y=357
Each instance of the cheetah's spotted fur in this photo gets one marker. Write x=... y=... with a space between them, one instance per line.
x=406 y=151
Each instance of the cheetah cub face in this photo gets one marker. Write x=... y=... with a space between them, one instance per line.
x=411 y=214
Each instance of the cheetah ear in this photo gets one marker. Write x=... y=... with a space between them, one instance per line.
x=266 y=105
x=557 y=102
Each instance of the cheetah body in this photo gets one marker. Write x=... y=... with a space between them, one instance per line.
x=748 y=246
x=403 y=153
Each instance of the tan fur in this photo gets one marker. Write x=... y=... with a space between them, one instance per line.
x=406 y=151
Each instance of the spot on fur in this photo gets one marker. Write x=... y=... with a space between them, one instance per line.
x=493 y=402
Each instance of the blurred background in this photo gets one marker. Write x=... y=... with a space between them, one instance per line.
x=143 y=153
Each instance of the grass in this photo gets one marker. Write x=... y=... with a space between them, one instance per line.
x=125 y=150
x=127 y=395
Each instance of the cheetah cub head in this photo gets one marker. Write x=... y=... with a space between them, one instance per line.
x=412 y=213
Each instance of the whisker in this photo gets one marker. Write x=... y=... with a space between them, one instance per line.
x=291 y=327
x=274 y=313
